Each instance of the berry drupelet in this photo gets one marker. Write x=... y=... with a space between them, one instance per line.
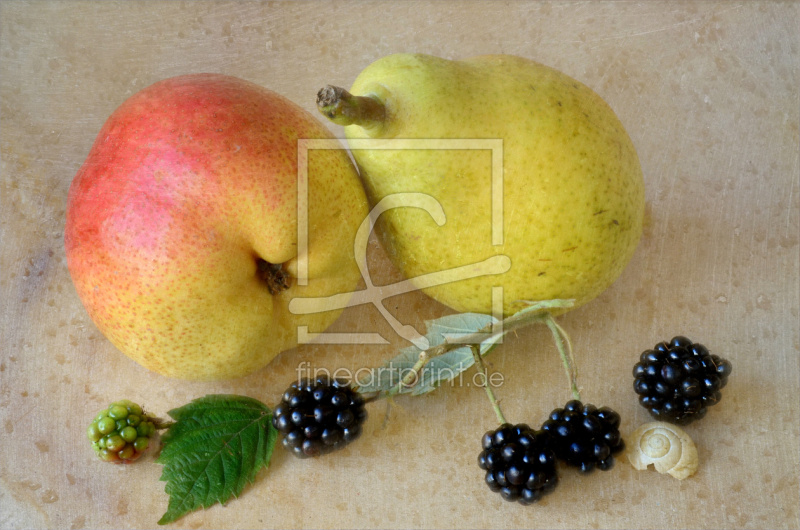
x=319 y=416
x=121 y=433
x=584 y=436
x=677 y=380
x=518 y=463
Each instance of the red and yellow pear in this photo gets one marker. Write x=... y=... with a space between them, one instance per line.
x=182 y=226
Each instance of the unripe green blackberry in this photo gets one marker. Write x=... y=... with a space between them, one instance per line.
x=121 y=433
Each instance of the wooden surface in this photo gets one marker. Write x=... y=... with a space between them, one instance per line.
x=709 y=94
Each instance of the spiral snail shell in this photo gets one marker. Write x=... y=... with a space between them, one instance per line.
x=664 y=445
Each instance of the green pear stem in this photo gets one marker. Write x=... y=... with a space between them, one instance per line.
x=476 y=354
x=343 y=108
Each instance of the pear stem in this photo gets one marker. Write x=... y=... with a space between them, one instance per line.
x=274 y=275
x=343 y=108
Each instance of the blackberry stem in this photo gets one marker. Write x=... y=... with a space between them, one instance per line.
x=560 y=337
x=160 y=424
x=373 y=396
x=476 y=353
x=517 y=320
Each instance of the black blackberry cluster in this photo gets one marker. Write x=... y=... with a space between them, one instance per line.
x=584 y=436
x=319 y=416
x=518 y=462
x=677 y=380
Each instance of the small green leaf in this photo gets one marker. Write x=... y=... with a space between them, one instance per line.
x=439 y=369
x=445 y=368
x=213 y=450
x=454 y=327
x=387 y=376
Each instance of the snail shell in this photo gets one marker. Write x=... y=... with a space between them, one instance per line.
x=664 y=445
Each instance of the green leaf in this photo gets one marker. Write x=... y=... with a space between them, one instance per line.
x=213 y=450
x=454 y=327
x=441 y=368
x=387 y=376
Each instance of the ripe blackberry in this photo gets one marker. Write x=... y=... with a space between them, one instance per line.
x=584 y=436
x=319 y=416
x=121 y=433
x=677 y=380
x=518 y=463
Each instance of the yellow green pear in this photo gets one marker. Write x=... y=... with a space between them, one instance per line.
x=525 y=161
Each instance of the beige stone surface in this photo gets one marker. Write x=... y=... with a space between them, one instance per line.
x=709 y=94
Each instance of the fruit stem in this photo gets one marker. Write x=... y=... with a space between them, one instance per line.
x=160 y=424
x=343 y=108
x=476 y=354
x=567 y=359
x=274 y=275
x=369 y=398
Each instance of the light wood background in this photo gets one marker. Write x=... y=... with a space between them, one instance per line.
x=709 y=94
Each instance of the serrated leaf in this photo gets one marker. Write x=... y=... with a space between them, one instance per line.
x=213 y=450
x=440 y=369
